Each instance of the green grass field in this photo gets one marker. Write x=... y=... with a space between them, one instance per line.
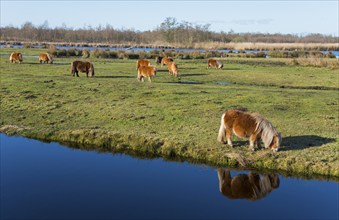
x=177 y=117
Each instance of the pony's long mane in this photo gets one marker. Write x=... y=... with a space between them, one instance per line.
x=263 y=189
x=49 y=57
x=265 y=128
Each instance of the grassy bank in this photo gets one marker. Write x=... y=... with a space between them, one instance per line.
x=177 y=117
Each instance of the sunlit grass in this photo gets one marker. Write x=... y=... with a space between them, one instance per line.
x=177 y=116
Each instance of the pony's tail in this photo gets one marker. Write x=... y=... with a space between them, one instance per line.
x=222 y=130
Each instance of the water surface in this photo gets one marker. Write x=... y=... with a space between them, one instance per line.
x=49 y=181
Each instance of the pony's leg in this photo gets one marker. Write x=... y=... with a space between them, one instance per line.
x=253 y=142
x=228 y=136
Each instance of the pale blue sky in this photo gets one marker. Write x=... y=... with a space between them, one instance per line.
x=295 y=17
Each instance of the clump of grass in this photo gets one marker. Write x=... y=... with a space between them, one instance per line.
x=315 y=61
x=85 y=53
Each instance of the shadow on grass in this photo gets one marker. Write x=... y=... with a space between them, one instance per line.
x=303 y=142
x=194 y=74
x=116 y=77
x=231 y=69
x=46 y=64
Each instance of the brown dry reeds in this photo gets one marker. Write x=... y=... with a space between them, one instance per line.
x=267 y=46
x=315 y=61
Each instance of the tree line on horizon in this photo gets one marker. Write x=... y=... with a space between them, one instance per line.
x=170 y=31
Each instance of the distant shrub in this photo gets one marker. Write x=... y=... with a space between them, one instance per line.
x=132 y=56
x=113 y=55
x=28 y=45
x=143 y=54
x=85 y=53
x=53 y=52
x=330 y=55
x=96 y=53
x=61 y=53
x=121 y=54
x=72 y=52
x=197 y=55
x=260 y=54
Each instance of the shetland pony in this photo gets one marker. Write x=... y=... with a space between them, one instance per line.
x=215 y=64
x=166 y=60
x=158 y=60
x=80 y=66
x=146 y=71
x=45 y=57
x=251 y=186
x=143 y=63
x=15 y=57
x=248 y=125
x=173 y=69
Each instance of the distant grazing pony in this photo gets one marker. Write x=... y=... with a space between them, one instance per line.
x=146 y=71
x=248 y=125
x=215 y=64
x=166 y=60
x=172 y=69
x=15 y=57
x=158 y=60
x=45 y=57
x=82 y=66
x=251 y=186
x=143 y=63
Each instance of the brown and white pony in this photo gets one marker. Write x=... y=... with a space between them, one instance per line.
x=251 y=186
x=146 y=71
x=215 y=64
x=166 y=60
x=15 y=57
x=82 y=66
x=173 y=69
x=248 y=125
x=143 y=63
x=45 y=57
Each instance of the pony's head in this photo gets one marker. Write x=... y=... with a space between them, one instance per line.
x=276 y=141
x=269 y=135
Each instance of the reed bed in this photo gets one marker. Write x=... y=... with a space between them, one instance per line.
x=201 y=45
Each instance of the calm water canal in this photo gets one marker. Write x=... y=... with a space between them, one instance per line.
x=50 y=181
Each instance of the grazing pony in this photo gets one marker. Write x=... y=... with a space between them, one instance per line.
x=80 y=66
x=146 y=71
x=143 y=63
x=251 y=186
x=158 y=60
x=15 y=57
x=166 y=60
x=248 y=125
x=45 y=57
x=215 y=64
x=173 y=69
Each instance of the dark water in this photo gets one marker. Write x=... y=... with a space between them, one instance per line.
x=50 y=181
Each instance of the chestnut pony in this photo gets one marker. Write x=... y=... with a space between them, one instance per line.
x=248 y=125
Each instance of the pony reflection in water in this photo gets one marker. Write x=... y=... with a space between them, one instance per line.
x=251 y=186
